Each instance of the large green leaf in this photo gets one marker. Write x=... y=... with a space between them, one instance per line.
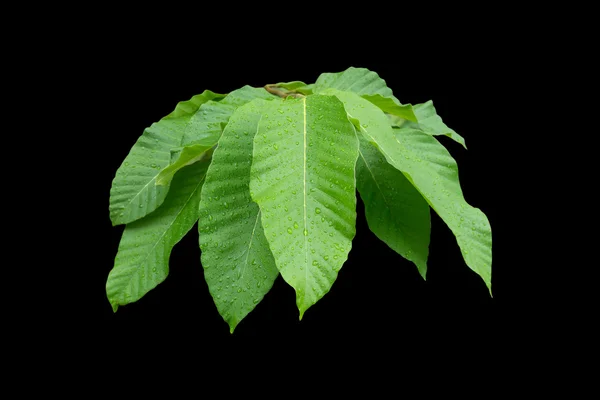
x=428 y=122
x=302 y=178
x=357 y=80
x=186 y=156
x=396 y=212
x=206 y=125
x=134 y=193
x=142 y=261
x=433 y=172
x=238 y=265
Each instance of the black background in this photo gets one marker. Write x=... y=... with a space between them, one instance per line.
x=378 y=304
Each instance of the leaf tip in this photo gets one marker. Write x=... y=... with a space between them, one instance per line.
x=115 y=307
x=233 y=323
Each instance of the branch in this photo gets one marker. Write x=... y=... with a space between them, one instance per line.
x=277 y=91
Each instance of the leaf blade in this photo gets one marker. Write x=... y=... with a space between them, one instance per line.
x=395 y=211
x=311 y=222
x=187 y=156
x=431 y=123
x=231 y=220
x=133 y=193
x=143 y=256
x=206 y=125
x=387 y=105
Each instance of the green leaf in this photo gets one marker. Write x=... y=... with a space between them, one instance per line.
x=389 y=106
x=142 y=261
x=238 y=265
x=433 y=172
x=396 y=212
x=206 y=125
x=296 y=86
x=134 y=193
x=357 y=80
x=302 y=178
x=430 y=123
x=186 y=156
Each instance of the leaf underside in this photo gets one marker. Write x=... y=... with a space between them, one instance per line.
x=395 y=211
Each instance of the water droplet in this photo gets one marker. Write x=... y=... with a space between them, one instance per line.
x=289 y=119
x=285 y=209
x=141 y=205
x=239 y=290
x=312 y=251
x=318 y=210
x=322 y=219
x=225 y=204
x=126 y=164
x=289 y=230
x=293 y=192
x=153 y=165
x=210 y=217
x=335 y=257
x=305 y=232
x=326 y=258
x=276 y=147
x=255 y=301
x=315 y=263
x=289 y=218
x=154 y=269
x=296 y=225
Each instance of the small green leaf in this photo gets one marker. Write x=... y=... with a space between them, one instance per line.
x=356 y=80
x=429 y=122
x=302 y=178
x=142 y=261
x=396 y=212
x=134 y=193
x=238 y=265
x=206 y=125
x=433 y=172
x=296 y=86
x=186 y=156
x=389 y=106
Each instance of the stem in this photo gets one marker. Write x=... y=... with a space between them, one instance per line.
x=277 y=91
